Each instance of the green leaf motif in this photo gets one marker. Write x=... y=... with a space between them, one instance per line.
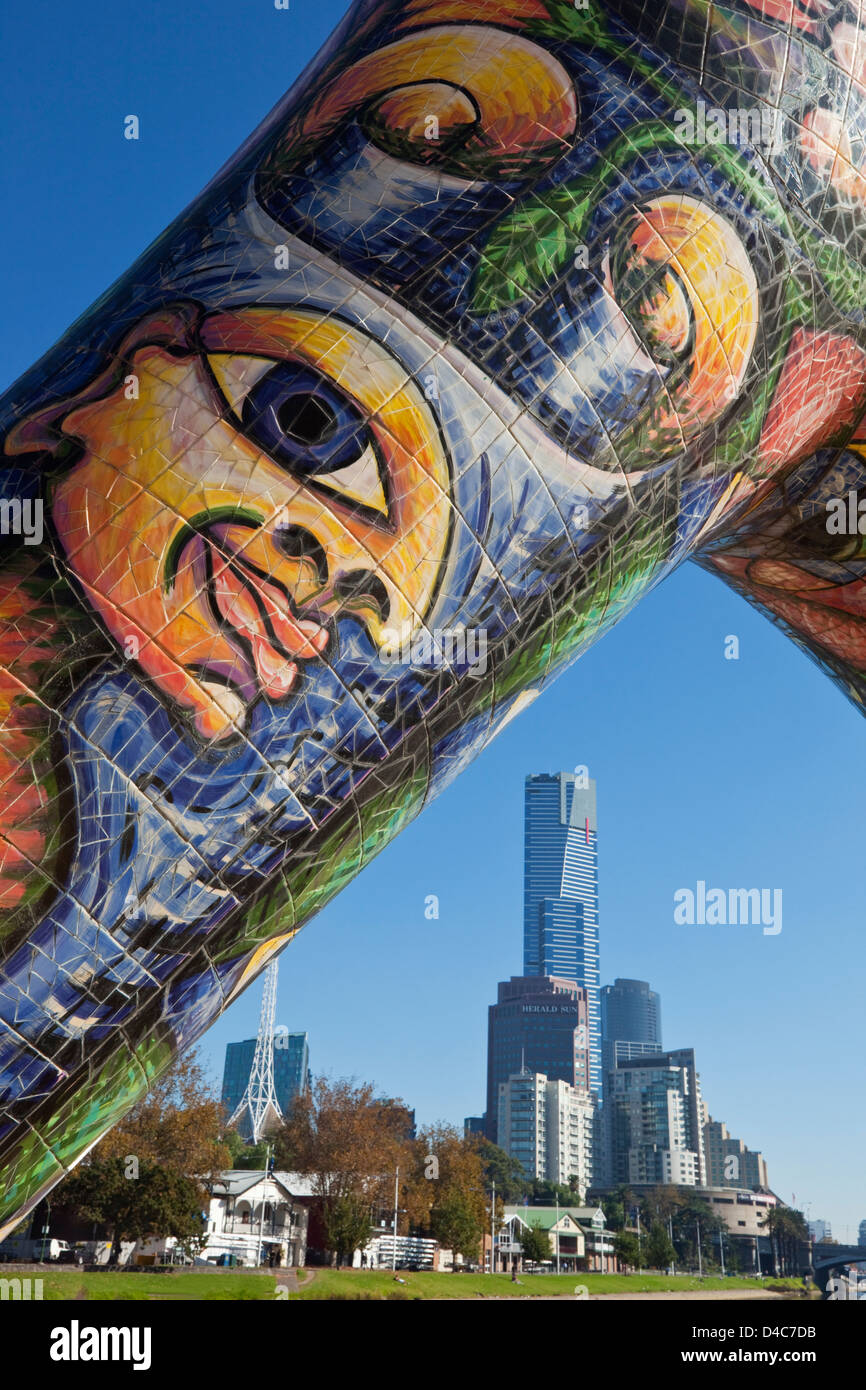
x=529 y=248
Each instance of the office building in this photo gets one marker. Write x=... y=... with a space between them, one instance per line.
x=291 y=1070
x=474 y=1124
x=820 y=1230
x=548 y=1126
x=538 y=1024
x=729 y=1162
x=560 y=895
x=654 y=1120
x=861 y=1234
x=630 y=1012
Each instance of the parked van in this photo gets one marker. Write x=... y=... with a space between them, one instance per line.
x=50 y=1249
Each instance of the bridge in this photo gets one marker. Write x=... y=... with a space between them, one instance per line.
x=828 y=1260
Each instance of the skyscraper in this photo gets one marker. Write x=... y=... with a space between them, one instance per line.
x=560 y=891
x=632 y=1012
x=656 y=1120
x=291 y=1070
x=631 y=1022
x=537 y=1024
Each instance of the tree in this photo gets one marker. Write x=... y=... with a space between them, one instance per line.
x=546 y=1194
x=536 y=1244
x=693 y=1217
x=454 y=1221
x=508 y=1174
x=626 y=1248
x=176 y=1125
x=658 y=1252
x=616 y=1206
x=788 y=1230
x=350 y=1143
x=446 y=1189
x=347 y=1224
x=247 y=1156
x=134 y=1204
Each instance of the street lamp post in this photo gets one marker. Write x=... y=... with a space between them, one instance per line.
x=639 y=1251
x=396 y=1204
x=262 y=1214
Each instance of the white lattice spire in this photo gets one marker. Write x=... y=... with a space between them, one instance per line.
x=259 y=1102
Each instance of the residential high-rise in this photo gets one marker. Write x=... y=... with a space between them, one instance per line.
x=729 y=1162
x=548 y=1127
x=861 y=1234
x=291 y=1070
x=655 y=1118
x=560 y=890
x=538 y=1024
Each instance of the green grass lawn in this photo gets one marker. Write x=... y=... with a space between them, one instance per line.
x=183 y=1284
x=344 y=1284
x=376 y=1284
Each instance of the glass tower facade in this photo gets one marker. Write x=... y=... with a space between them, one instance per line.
x=291 y=1070
x=631 y=1022
x=560 y=890
x=631 y=1011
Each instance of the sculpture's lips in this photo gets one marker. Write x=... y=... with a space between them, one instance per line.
x=255 y=614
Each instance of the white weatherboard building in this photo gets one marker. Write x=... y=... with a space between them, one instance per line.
x=257 y=1219
x=548 y=1126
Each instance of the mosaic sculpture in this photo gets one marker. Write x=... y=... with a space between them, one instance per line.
x=503 y=313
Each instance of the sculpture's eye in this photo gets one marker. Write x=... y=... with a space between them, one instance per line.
x=814 y=539
x=660 y=308
x=683 y=279
x=305 y=423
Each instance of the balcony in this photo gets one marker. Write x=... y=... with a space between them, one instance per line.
x=274 y=1229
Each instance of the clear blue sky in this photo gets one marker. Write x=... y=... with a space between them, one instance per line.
x=744 y=773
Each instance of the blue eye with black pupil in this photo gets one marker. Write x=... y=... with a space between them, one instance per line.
x=303 y=421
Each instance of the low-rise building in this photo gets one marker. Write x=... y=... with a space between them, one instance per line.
x=578 y=1234
x=257 y=1219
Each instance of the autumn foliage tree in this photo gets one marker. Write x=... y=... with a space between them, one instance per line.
x=445 y=1192
x=177 y=1124
x=350 y=1142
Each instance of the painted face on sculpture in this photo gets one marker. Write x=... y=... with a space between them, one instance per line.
x=273 y=470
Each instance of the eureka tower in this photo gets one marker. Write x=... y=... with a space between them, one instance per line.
x=560 y=892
